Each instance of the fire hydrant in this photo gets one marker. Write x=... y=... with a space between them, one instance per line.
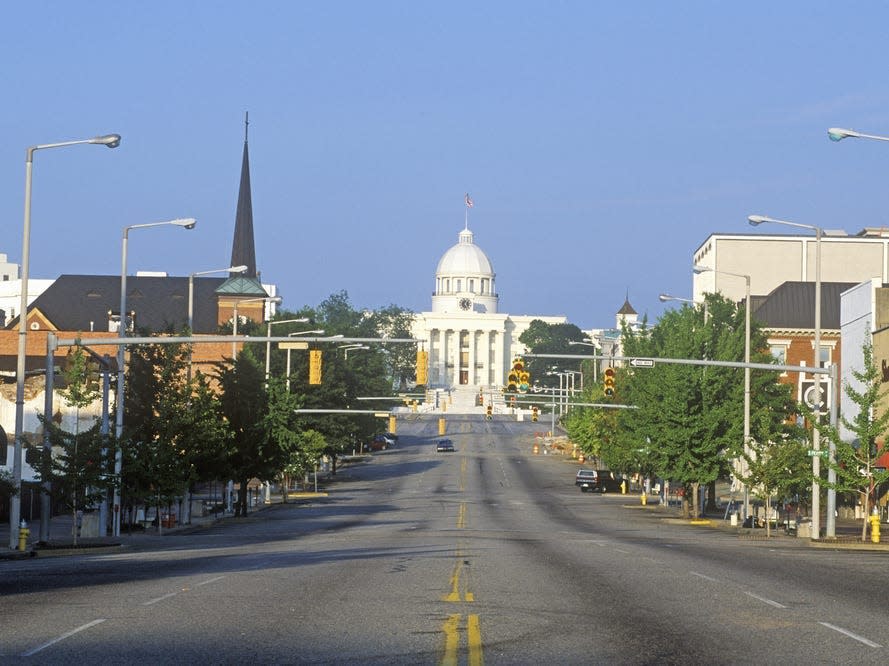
x=623 y=487
x=644 y=498
x=874 y=520
x=24 y=533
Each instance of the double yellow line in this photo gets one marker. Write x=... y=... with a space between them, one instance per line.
x=460 y=592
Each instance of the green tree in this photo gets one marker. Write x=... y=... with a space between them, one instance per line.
x=856 y=459
x=543 y=338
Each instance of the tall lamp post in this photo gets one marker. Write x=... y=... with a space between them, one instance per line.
x=185 y=223
x=191 y=277
x=268 y=343
x=706 y=269
x=15 y=502
x=269 y=299
x=756 y=220
x=588 y=343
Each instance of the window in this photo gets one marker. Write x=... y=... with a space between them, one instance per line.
x=824 y=356
x=779 y=353
x=472 y=285
x=459 y=284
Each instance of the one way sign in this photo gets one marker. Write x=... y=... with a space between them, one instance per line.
x=642 y=362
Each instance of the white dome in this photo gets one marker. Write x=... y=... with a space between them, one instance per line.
x=464 y=259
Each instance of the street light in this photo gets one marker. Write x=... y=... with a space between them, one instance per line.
x=663 y=298
x=231 y=269
x=756 y=220
x=316 y=332
x=347 y=348
x=588 y=343
x=268 y=343
x=15 y=506
x=186 y=223
x=191 y=277
x=838 y=134
x=747 y=308
x=270 y=299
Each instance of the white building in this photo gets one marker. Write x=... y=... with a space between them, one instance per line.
x=471 y=345
x=11 y=290
x=773 y=259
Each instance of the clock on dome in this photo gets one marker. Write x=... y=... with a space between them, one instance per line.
x=465 y=303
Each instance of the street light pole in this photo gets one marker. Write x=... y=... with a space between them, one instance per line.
x=830 y=531
x=838 y=134
x=191 y=277
x=747 y=308
x=15 y=506
x=186 y=223
x=269 y=299
x=268 y=343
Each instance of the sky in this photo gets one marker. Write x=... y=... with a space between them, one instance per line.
x=601 y=142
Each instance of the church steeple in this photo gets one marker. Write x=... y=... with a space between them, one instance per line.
x=243 y=249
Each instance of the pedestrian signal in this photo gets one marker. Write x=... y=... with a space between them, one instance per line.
x=608 y=382
x=314 y=366
x=422 y=367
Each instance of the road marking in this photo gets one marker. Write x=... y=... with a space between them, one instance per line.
x=154 y=601
x=845 y=632
x=454 y=595
x=474 y=638
x=765 y=601
x=700 y=575
x=62 y=637
x=461 y=516
x=207 y=582
x=452 y=640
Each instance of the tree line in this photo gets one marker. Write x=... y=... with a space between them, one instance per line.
x=184 y=429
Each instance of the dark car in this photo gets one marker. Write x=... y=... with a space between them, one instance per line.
x=445 y=446
x=597 y=481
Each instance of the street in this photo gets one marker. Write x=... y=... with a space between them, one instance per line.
x=489 y=554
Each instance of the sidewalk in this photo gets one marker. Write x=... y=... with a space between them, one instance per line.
x=61 y=539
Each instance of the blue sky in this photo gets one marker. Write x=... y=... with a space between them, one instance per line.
x=601 y=142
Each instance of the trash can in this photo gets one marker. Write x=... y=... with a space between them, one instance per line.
x=804 y=528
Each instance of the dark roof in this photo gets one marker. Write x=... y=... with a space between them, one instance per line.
x=626 y=308
x=82 y=302
x=792 y=305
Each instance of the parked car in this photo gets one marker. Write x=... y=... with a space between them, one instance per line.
x=382 y=442
x=445 y=446
x=597 y=481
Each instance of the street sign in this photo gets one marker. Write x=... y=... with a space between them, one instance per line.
x=822 y=453
x=642 y=362
x=293 y=345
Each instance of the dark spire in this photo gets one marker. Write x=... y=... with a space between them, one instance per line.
x=243 y=249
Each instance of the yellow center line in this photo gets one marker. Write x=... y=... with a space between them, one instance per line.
x=474 y=638
x=452 y=640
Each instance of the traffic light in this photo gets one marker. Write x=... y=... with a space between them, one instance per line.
x=422 y=367
x=608 y=382
x=314 y=366
x=518 y=378
x=488 y=412
x=534 y=413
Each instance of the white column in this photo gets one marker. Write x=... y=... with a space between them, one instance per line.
x=472 y=343
x=499 y=376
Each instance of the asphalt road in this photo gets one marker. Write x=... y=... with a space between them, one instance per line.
x=485 y=555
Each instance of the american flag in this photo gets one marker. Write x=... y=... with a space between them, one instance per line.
x=468 y=201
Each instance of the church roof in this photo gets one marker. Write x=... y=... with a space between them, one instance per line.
x=242 y=286
x=626 y=308
x=465 y=258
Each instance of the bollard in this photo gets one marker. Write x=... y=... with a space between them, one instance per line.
x=623 y=488
x=441 y=426
x=644 y=499
x=874 y=520
x=24 y=532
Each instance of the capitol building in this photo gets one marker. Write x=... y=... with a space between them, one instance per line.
x=471 y=344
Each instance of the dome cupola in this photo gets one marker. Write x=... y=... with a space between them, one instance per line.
x=464 y=279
